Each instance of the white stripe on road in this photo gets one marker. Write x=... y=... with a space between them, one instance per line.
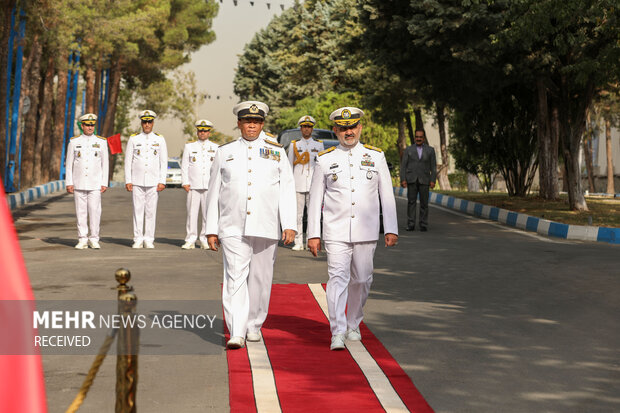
x=265 y=393
x=389 y=399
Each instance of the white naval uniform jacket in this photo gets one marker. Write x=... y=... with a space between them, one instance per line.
x=251 y=190
x=303 y=173
x=196 y=163
x=146 y=159
x=87 y=163
x=350 y=184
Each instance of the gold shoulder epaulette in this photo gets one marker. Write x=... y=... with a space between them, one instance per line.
x=318 y=140
x=273 y=143
x=134 y=134
x=294 y=140
x=374 y=148
x=191 y=141
x=224 y=144
x=76 y=137
x=157 y=134
x=271 y=135
x=327 y=150
x=101 y=137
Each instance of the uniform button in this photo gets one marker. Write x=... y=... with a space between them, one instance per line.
x=249 y=170
x=250 y=158
x=353 y=203
x=248 y=212
x=352 y=216
x=350 y=164
x=353 y=190
x=249 y=183
x=351 y=177
x=249 y=198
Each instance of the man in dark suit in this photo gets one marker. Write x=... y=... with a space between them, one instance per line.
x=418 y=171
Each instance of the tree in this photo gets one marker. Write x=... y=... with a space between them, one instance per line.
x=608 y=105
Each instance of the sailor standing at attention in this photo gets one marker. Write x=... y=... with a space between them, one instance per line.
x=251 y=196
x=87 y=178
x=302 y=154
x=146 y=163
x=196 y=163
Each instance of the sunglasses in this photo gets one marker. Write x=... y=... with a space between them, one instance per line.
x=147 y=121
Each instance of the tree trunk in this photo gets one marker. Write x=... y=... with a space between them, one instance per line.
x=587 y=153
x=107 y=129
x=402 y=137
x=91 y=97
x=442 y=169
x=473 y=183
x=30 y=128
x=43 y=143
x=409 y=127
x=4 y=55
x=547 y=145
x=572 y=116
x=610 y=159
x=59 y=118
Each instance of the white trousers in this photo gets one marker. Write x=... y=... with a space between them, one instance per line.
x=302 y=201
x=88 y=211
x=350 y=267
x=144 y=212
x=248 y=273
x=196 y=200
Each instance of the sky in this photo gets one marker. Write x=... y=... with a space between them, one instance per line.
x=214 y=65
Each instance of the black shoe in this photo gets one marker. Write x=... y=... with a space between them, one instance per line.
x=423 y=229
x=410 y=228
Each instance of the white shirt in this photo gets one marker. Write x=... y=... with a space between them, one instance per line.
x=196 y=163
x=350 y=184
x=87 y=163
x=146 y=159
x=251 y=190
x=303 y=173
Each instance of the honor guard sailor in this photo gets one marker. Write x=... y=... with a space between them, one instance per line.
x=196 y=163
x=302 y=154
x=349 y=183
x=251 y=195
x=146 y=163
x=87 y=178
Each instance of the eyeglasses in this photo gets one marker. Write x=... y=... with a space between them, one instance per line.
x=147 y=121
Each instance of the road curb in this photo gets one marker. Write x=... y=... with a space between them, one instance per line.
x=523 y=221
x=32 y=194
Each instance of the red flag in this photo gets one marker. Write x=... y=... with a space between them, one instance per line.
x=22 y=387
x=114 y=143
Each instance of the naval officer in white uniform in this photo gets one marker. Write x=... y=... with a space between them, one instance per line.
x=146 y=163
x=302 y=154
x=350 y=180
x=87 y=178
x=251 y=195
x=196 y=163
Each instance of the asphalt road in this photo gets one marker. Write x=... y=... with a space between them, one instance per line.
x=482 y=317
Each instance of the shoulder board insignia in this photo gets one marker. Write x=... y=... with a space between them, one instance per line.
x=134 y=134
x=101 y=137
x=224 y=144
x=294 y=140
x=156 y=133
x=327 y=150
x=191 y=141
x=372 y=147
x=271 y=135
x=76 y=137
x=318 y=140
x=273 y=143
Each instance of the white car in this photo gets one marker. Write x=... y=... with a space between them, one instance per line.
x=173 y=175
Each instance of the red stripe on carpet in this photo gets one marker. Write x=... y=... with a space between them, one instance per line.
x=241 y=395
x=309 y=376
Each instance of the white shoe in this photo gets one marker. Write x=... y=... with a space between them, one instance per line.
x=204 y=245
x=354 y=335
x=337 y=342
x=94 y=244
x=188 y=245
x=235 y=343
x=137 y=244
x=81 y=245
x=149 y=245
x=298 y=247
x=253 y=337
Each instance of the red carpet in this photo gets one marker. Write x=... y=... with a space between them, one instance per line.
x=308 y=376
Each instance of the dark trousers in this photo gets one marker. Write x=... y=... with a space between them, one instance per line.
x=413 y=189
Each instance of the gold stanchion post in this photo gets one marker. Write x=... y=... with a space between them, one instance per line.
x=127 y=347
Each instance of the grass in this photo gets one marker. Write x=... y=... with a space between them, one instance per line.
x=605 y=212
